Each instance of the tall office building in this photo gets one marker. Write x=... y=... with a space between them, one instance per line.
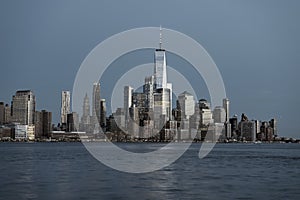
x=162 y=104
x=248 y=130
x=227 y=118
x=73 y=122
x=234 y=125
x=149 y=90
x=103 y=113
x=43 y=124
x=219 y=114
x=85 y=119
x=187 y=104
x=7 y=114
x=23 y=107
x=2 y=113
x=226 y=107
x=163 y=90
x=205 y=113
x=273 y=124
x=96 y=107
x=65 y=106
x=128 y=91
x=160 y=66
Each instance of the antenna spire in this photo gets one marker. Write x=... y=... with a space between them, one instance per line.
x=160 y=37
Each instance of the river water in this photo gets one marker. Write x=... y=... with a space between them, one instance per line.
x=230 y=171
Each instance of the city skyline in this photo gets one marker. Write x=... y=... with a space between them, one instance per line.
x=146 y=115
x=253 y=45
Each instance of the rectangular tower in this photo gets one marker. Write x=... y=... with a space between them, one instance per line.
x=23 y=107
x=128 y=91
x=65 y=106
x=96 y=107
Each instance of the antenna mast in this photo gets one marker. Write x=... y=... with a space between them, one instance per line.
x=160 y=37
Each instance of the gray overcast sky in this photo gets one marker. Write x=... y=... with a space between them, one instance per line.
x=254 y=43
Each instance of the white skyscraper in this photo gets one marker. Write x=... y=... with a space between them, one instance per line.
x=187 y=104
x=226 y=107
x=65 y=106
x=163 y=89
x=219 y=114
x=127 y=102
x=148 y=90
x=160 y=66
x=96 y=103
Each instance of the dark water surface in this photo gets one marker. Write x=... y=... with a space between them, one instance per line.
x=230 y=171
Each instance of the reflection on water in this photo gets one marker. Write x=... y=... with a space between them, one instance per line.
x=67 y=171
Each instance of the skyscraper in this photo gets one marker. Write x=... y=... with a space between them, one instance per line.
x=103 y=114
x=163 y=90
x=219 y=114
x=128 y=91
x=2 y=113
x=73 y=122
x=23 y=107
x=187 y=104
x=148 y=90
x=65 y=106
x=227 y=117
x=85 y=119
x=85 y=122
x=96 y=107
x=205 y=113
x=160 y=66
x=43 y=124
x=248 y=130
x=226 y=107
x=7 y=116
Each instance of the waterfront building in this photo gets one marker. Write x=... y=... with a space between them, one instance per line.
x=273 y=124
x=7 y=114
x=86 y=110
x=205 y=116
x=148 y=89
x=23 y=107
x=96 y=104
x=65 y=106
x=187 y=104
x=20 y=131
x=160 y=66
x=43 y=124
x=72 y=122
x=234 y=126
x=2 y=113
x=219 y=115
x=128 y=91
x=266 y=131
x=30 y=132
x=162 y=104
x=226 y=108
x=248 y=130
x=103 y=114
x=162 y=89
x=6 y=132
x=119 y=117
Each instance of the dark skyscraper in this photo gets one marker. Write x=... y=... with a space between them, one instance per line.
x=72 y=122
x=2 y=113
x=103 y=113
x=43 y=124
